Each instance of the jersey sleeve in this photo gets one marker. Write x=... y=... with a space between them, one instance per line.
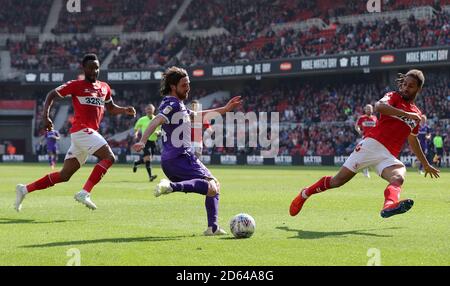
x=391 y=98
x=168 y=108
x=66 y=89
x=108 y=97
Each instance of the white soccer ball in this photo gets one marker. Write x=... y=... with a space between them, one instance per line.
x=242 y=225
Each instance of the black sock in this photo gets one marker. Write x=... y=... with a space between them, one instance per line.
x=139 y=162
x=148 y=166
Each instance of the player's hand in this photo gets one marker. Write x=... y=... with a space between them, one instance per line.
x=233 y=103
x=138 y=146
x=431 y=170
x=414 y=116
x=48 y=123
x=129 y=110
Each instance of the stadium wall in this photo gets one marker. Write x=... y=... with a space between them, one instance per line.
x=358 y=62
x=251 y=160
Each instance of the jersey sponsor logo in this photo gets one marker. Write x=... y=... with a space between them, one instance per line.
x=167 y=110
x=91 y=100
x=369 y=123
x=410 y=122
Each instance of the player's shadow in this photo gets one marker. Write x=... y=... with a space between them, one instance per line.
x=305 y=234
x=29 y=221
x=105 y=240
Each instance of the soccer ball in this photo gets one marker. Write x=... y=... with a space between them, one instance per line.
x=242 y=225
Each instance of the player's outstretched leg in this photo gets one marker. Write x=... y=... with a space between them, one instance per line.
x=21 y=191
x=107 y=160
x=343 y=176
x=199 y=186
x=69 y=168
x=212 y=209
x=395 y=175
x=164 y=187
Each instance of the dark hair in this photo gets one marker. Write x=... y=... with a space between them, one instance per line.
x=171 y=76
x=417 y=74
x=89 y=57
x=195 y=101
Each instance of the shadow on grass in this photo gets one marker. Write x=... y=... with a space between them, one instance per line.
x=104 y=240
x=304 y=234
x=29 y=221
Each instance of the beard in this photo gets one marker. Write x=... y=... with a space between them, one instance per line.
x=182 y=95
x=406 y=96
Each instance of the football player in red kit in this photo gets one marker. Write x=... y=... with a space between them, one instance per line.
x=363 y=125
x=89 y=98
x=399 y=121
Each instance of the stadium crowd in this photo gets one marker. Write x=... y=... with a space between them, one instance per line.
x=250 y=33
x=133 y=15
x=315 y=118
x=13 y=20
x=53 y=55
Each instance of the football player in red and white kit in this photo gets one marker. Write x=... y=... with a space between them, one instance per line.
x=363 y=125
x=89 y=98
x=380 y=148
x=197 y=130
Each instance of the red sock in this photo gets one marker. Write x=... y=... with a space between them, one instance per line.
x=43 y=183
x=320 y=186
x=99 y=170
x=391 y=195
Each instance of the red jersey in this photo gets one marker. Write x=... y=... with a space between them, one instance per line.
x=392 y=131
x=88 y=102
x=366 y=122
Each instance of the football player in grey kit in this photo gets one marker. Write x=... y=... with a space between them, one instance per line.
x=185 y=171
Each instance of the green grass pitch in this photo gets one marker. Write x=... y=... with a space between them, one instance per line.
x=132 y=227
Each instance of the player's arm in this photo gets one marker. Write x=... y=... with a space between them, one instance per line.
x=386 y=109
x=357 y=128
x=415 y=147
x=48 y=123
x=157 y=121
x=116 y=110
x=231 y=105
